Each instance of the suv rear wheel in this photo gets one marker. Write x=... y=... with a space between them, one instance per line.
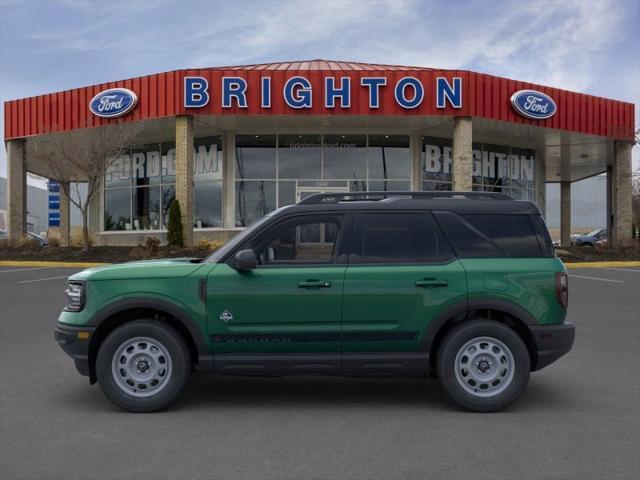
x=143 y=365
x=483 y=365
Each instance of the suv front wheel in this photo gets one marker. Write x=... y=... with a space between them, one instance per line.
x=483 y=365
x=143 y=365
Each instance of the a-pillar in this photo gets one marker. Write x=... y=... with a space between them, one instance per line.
x=184 y=174
x=462 y=154
x=65 y=219
x=16 y=191
x=621 y=189
x=565 y=213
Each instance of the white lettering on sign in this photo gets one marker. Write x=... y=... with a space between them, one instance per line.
x=438 y=160
x=533 y=104
x=108 y=104
x=151 y=164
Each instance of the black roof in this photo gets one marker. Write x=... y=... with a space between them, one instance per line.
x=457 y=202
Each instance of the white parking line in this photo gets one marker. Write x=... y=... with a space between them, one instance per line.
x=621 y=269
x=597 y=278
x=43 y=279
x=24 y=269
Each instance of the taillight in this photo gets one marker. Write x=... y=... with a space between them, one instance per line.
x=562 y=289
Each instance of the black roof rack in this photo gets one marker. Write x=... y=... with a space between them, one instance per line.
x=320 y=198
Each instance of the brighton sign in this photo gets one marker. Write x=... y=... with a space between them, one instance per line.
x=113 y=103
x=408 y=92
x=533 y=104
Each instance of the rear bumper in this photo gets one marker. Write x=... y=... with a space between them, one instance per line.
x=75 y=343
x=552 y=342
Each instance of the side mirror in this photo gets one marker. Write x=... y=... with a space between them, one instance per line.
x=245 y=260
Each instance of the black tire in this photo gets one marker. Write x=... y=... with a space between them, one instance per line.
x=448 y=351
x=180 y=365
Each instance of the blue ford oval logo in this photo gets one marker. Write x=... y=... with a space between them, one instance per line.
x=114 y=102
x=533 y=104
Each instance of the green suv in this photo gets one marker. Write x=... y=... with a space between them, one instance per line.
x=462 y=286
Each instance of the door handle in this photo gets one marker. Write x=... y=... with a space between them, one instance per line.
x=314 y=284
x=431 y=282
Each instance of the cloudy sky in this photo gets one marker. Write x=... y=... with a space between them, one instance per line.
x=582 y=45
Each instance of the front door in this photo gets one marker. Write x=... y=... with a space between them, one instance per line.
x=401 y=275
x=290 y=304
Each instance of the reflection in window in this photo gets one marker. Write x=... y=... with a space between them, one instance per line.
x=300 y=156
x=254 y=199
x=146 y=208
x=389 y=157
x=117 y=215
x=345 y=156
x=255 y=156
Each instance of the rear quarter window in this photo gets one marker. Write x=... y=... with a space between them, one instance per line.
x=486 y=236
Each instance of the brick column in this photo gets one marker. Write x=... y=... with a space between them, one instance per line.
x=65 y=218
x=228 y=180
x=565 y=213
x=415 y=147
x=184 y=174
x=16 y=191
x=621 y=234
x=462 y=154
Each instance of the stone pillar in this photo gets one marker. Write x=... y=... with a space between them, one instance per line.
x=16 y=191
x=415 y=147
x=462 y=154
x=184 y=174
x=228 y=180
x=65 y=216
x=565 y=213
x=621 y=183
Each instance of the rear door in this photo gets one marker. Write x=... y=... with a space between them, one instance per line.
x=402 y=274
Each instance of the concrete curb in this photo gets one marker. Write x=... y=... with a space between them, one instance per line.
x=26 y=263
x=602 y=264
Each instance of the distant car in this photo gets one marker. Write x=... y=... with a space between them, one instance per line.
x=42 y=241
x=590 y=239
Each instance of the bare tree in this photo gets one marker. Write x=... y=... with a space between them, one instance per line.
x=82 y=156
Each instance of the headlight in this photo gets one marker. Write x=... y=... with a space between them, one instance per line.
x=75 y=297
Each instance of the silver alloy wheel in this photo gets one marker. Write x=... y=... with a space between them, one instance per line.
x=141 y=366
x=484 y=367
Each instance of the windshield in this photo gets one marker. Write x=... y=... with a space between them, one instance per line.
x=238 y=239
x=594 y=233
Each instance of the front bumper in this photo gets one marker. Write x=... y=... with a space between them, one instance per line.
x=552 y=342
x=75 y=343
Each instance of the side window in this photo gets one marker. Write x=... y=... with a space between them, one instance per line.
x=402 y=238
x=467 y=241
x=514 y=234
x=486 y=236
x=303 y=241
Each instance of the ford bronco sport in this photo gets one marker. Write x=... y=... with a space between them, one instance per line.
x=462 y=286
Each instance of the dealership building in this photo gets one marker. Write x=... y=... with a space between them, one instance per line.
x=234 y=143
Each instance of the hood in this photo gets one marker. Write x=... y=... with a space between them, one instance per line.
x=164 y=268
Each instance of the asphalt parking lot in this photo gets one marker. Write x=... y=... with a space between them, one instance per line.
x=579 y=418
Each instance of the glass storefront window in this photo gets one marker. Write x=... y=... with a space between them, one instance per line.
x=389 y=157
x=117 y=205
x=300 y=156
x=345 y=157
x=496 y=168
x=254 y=199
x=151 y=171
x=146 y=208
x=256 y=156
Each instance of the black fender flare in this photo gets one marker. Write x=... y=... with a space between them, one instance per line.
x=205 y=358
x=462 y=308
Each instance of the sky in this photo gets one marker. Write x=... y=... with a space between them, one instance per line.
x=582 y=45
